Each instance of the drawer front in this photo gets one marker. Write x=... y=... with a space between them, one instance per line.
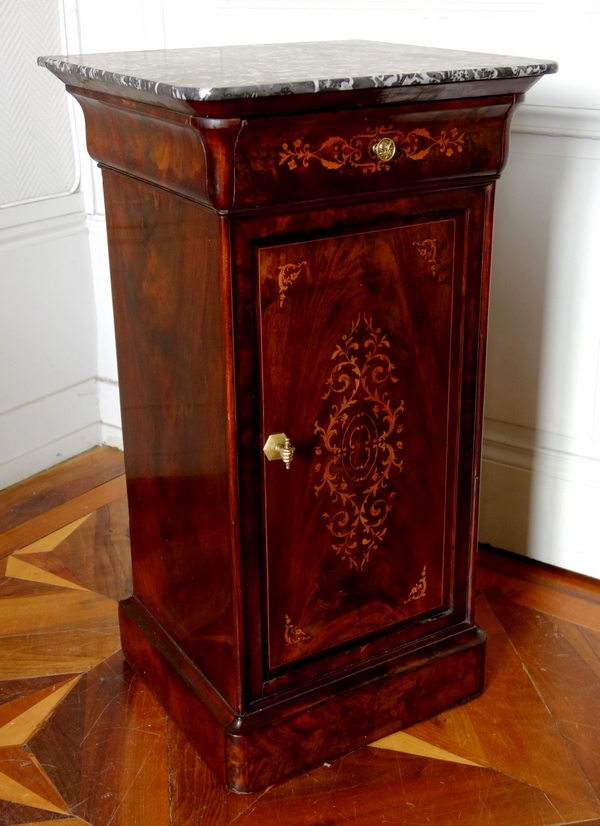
x=359 y=345
x=316 y=156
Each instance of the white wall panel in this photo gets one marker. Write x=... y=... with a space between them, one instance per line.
x=48 y=393
x=108 y=384
x=541 y=467
x=47 y=321
x=543 y=505
x=107 y=356
x=544 y=334
x=37 y=156
x=110 y=413
x=47 y=431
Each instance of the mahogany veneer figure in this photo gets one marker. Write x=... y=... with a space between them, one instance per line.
x=300 y=280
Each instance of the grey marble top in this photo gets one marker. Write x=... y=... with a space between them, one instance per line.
x=229 y=72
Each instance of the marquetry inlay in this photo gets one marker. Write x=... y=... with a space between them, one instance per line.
x=427 y=249
x=286 y=275
x=357 y=151
x=293 y=634
x=420 y=588
x=358 y=442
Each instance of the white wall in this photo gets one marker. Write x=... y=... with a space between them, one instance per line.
x=48 y=394
x=541 y=470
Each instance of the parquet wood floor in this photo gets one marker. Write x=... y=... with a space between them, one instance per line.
x=82 y=740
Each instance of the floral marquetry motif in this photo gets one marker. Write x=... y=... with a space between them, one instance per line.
x=419 y=589
x=358 y=443
x=427 y=249
x=358 y=151
x=293 y=634
x=286 y=275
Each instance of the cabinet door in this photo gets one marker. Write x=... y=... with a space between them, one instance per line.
x=360 y=342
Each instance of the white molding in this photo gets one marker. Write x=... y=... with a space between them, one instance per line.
x=539 y=501
x=557 y=121
x=87 y=413
x=109 y=402
x=46 y=419
x=106 y=348
x=16 y=215
x=48 y=455
x=96 y=222
x=38 y=232
x=112 y=436
x=48 y=430
x=422 y=9
x=71 y=29
x=79 y=384
x=532 y=451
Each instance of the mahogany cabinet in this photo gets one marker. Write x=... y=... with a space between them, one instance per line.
x=304 y=260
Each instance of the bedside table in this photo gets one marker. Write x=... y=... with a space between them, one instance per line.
x=299 y=241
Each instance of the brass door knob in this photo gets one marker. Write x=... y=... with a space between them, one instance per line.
x=278 y=446
x=385 y=149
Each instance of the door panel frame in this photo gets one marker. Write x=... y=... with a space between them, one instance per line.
x=260 y=228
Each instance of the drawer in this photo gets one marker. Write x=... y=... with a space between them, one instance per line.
x=305 y=157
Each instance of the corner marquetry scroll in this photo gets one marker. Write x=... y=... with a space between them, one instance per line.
x=427 y=249
x=358 y=442
x=293 y=634
x=336 y=152
x=286 y=275
x=419 y=589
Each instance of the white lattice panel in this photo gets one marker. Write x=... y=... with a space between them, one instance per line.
x=37 y=158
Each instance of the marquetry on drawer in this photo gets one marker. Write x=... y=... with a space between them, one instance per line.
x=286 y=159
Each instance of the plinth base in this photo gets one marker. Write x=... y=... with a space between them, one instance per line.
x=281 y=738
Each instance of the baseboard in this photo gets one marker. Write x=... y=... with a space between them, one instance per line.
x=46 y=456
x=109 y=402
x=29 y=214
x=112 y=436
x=41 y=230
x=536 y=451
x=110 y=412
x=46 y=431
x=539 y=501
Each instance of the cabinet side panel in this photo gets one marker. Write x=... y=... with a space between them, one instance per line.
x=165 y=267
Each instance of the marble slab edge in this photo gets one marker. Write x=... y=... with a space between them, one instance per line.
x=81 y=67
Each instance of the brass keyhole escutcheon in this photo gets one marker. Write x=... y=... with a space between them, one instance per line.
x=385 y=149
x=278 y=446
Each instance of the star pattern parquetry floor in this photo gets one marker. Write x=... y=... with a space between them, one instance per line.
x=82 y=740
